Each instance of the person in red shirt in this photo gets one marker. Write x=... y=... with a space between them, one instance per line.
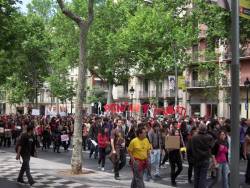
x=103 y=142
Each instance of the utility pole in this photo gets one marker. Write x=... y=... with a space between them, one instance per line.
x=235 y=97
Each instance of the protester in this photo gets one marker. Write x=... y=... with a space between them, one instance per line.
x=46 y=138
x=243 y=129
x=25 y=149
x=175 y=159
x=103 y=141
x=190 y=156
x=155 y=139
x=247 y=156
x=139 y=150
x=220 y=160
x=93 y=133
x=164 y=133
x=202 y=144
x=85 y=132
x=118 y=156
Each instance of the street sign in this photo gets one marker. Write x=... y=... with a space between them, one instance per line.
x=181 y=83
x=245 y=8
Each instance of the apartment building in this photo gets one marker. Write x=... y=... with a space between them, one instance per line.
x=209 y=94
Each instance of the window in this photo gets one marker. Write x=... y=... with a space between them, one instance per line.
x=195 y=54
x=125 y=87
x=42 y=96
x=211 y=110
x=195 y=75
x=2 y=95
x=195 y=109
x=145 y=85
x=160 y=87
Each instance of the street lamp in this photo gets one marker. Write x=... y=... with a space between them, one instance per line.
x=131 y=91
x=247 y=85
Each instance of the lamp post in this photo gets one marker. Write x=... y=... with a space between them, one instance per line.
x=71 y=105
x=131 y=91
x=247 y=85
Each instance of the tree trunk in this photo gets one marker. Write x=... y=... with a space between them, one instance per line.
x=76 y=160
x=84 y=24
x=157 y=92
x=110 y=95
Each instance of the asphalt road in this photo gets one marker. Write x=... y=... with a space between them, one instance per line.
x=8 y=184
x=64 y=158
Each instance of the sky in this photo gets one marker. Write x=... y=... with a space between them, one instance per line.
x=24 y=4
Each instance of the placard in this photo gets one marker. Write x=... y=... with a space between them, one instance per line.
x=64 y=137
x=35 y=112
x=172 y=142
x=94 y=142
x=7 y=130
x=18 y=127
x=62 y=114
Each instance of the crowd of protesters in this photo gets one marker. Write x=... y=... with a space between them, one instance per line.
x=204 y=144
x=55 y=131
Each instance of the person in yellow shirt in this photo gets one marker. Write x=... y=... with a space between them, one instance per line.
x=139 y=152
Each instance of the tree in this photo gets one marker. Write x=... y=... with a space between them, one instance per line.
x=43 y=8
x=156 y=37
x=106 y=56
x=61 y=86
x=83 y=24
x=10 y=39
x=25 y=62
x=219 y=23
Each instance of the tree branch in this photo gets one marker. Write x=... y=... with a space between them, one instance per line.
x=90 y=12
x=94 y=73
x=68 y=13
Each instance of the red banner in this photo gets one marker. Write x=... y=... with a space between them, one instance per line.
x=169 y=110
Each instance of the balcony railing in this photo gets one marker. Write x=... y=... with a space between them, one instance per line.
x=225 y=82
x=243 y=53
x=204 y=56
x=169 y=93
x=200 y=83
x=202 y=34
x=162 y=94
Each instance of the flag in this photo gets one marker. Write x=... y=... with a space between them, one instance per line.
x=171 y=82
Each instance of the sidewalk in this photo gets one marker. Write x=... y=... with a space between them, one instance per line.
x=52 y=174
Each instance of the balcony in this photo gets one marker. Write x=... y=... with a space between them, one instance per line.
x=225 y=82
x=162 y=94
x=169 y=93
x=202 y=56
x=202 y=34
x=243 y=53
x=200 y=83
